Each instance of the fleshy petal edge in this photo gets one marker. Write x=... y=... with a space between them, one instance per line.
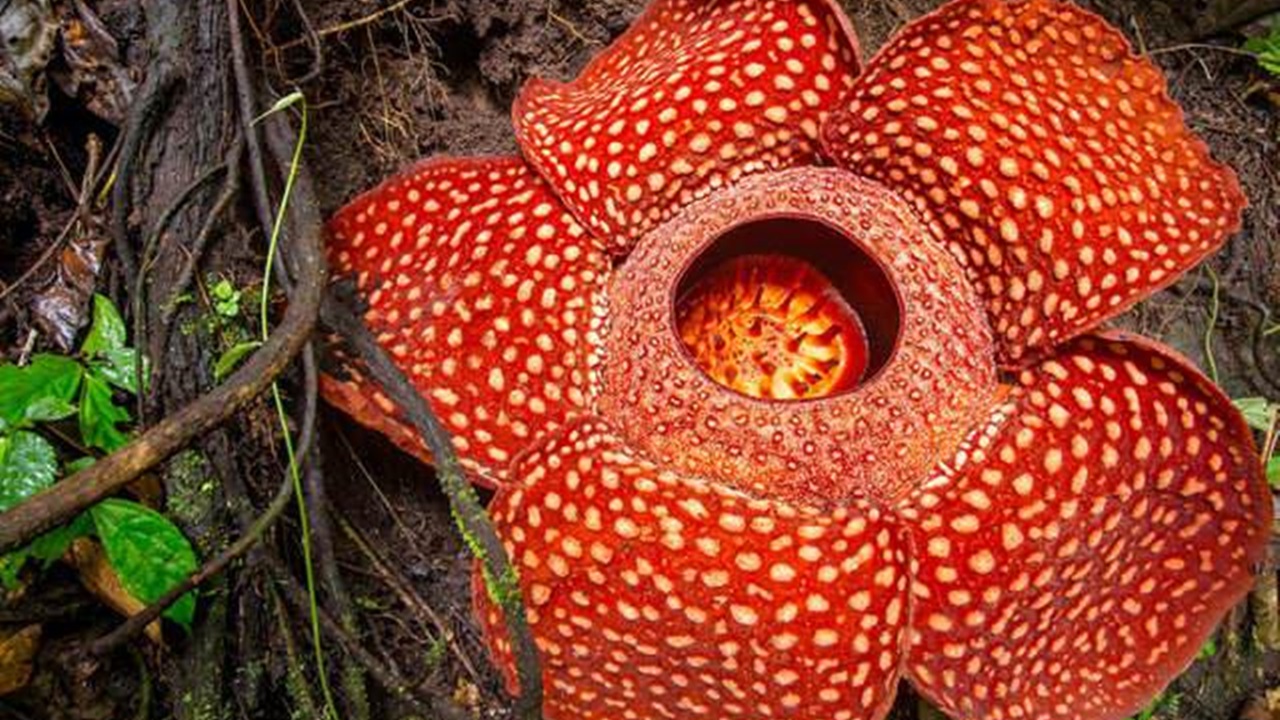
x=652 y=594
x=485 y=291
x=1048 y=157
x=646 y=129
x=1086 y=540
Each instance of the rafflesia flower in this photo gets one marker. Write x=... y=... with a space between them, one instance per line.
x=785 y=368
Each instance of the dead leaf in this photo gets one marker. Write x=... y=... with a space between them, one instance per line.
x=61 y=307
x=17 y=651
x=93 y=72
x=96 y=574
x=28 y=36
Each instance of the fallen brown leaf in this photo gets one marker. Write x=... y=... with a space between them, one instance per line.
x=467 y=695
x=17 y=651
x=28 y=38
x=96 y=574
x=61 y=307
x=92 y=70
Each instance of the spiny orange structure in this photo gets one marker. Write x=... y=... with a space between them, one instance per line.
x=753 y=452
x=771 y=326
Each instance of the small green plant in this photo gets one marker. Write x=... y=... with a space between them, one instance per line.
x=1264 y=416
x=230 y=323
x=226 y=298
x=1164 y=705
x=231 y=357
x=1208 y=650
x=436 y=652
x=1267 y=49
x=147 y=552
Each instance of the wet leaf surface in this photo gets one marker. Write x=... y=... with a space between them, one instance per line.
x=38 y=391
x=59 y=308
x=28 y=464
x=148 y=553
x=99 y=416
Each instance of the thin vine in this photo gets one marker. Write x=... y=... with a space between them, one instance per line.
x=295 y=475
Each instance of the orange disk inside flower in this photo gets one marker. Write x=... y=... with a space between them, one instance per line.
x=773 y=326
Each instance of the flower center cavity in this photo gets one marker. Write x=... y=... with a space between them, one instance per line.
x=786 y=309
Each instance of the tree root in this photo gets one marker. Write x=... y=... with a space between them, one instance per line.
x=471 y=517
x=387 y=677
x=65 y=499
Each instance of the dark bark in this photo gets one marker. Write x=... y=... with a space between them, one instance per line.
x=194 y=136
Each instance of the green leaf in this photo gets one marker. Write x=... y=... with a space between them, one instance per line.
x=49 y=409
x=120 y=368
x=1208 y=650
x=1257 y=411
x=46 y=549
x=223 y=290
x=79 y=464
x=107 y=331
x=232 y=357
x=1273 y=472
x=99 y=416
x=283 y=103
x=42 y=384
x=148 y=552
x=28 y=464
x=181 y=300
x=226 y=298
x=1267 y=49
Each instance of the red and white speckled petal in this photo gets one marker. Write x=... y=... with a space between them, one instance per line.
x=695 y=95
x=1048 y=158
x=653 y=595
x=345 y=384
x=488 y=294
x=1084 y=543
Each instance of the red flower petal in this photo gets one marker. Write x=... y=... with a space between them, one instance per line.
x=345 y=384
x=932 y=364
x=695 y=95
x=652 y=594
x=1049 y=158
x=485 y=291
x=1083 y=544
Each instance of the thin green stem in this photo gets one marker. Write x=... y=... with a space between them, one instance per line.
x=294 y=474
x=1215 y=303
